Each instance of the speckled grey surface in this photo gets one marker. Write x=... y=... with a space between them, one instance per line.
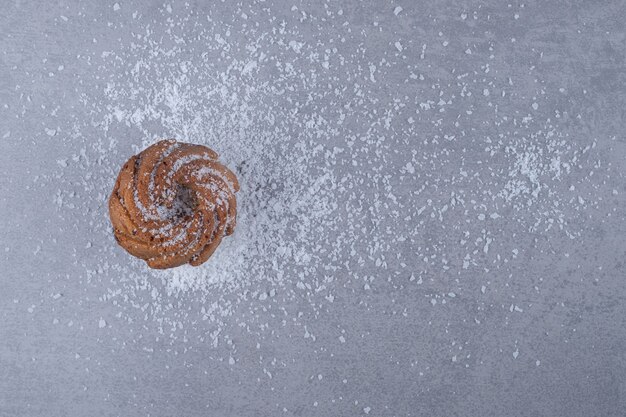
x=483 y=270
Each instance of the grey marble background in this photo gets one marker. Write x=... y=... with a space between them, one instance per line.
x=534 y=327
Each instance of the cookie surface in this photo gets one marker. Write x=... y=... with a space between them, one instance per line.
x=173 y=203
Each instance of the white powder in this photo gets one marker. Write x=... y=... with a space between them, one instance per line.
x=347 y=184
x=287 y=202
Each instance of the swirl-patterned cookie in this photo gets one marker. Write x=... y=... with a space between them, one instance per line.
x=173 y=203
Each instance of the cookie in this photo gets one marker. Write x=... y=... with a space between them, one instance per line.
x=173 y=203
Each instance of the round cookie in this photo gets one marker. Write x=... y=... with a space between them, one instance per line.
x=173 y=203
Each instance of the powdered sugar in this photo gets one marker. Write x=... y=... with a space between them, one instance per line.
x=347 y=185
x=431 y=193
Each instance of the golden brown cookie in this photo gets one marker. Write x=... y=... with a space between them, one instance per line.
x=173 y=203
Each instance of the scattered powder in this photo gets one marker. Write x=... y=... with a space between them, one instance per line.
x=346 y=188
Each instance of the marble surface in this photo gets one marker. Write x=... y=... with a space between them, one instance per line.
x=432 y=208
